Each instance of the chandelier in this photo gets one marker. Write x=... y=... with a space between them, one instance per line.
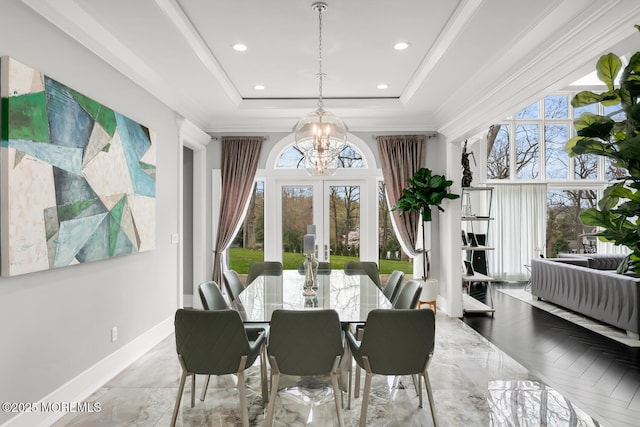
x=320 y=135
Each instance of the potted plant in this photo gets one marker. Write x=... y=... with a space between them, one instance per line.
x=424 y=190
x=618 y=212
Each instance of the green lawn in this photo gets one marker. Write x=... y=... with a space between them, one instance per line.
x=240 y=259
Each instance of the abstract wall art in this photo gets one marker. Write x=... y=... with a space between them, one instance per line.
x=77 y=179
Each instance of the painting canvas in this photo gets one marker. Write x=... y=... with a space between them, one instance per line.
x=77 y=179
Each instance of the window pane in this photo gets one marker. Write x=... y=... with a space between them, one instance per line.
x=613 y=109
x=297 y=213
x=349 y=157
x=530 y=112
x=556 y=107
x=586 y=166
x=290 y=159
x=593 y=108
x=565 y=232
x=390 y=255
x=248 y=245
x=557 y=159
x=527 y=151
x=611 y=172
x=498 y=153
x=344 y=221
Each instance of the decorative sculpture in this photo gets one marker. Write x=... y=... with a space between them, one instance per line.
x=467 y=176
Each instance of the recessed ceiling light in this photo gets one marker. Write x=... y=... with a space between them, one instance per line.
x=259 y=87
x=239 y=47
x=401 y=46
x=383 y=86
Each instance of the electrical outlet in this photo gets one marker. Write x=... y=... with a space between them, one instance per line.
x=114 y=334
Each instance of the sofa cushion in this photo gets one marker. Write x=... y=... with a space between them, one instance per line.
x=582 y=262
x=598 y=261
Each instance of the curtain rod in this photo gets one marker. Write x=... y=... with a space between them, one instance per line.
x=427 y=135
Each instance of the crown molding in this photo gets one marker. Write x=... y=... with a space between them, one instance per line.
x=533 y=79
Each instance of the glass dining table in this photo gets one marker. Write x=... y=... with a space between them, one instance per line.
x=352 y=296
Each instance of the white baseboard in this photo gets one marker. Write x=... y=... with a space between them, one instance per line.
x=89 y=381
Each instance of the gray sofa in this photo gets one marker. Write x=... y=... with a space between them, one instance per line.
x=590 y=287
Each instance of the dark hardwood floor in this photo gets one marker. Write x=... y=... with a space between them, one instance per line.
x=599 y=375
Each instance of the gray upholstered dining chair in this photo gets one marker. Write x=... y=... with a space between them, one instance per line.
x=214 y=343
x=409 y=295
x=369 y=268
x=232 y=284
x=263 y=268
x=407 y=298
x=212 y=299
x=392 y=291
x=392 y=287
x=395 y=342
x=304 y=343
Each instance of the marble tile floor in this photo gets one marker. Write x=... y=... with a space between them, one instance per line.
x=474 y=384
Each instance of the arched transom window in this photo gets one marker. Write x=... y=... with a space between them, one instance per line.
x=350 y=158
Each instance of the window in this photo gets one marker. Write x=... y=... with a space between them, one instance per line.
x=557 y=164
x=349 y=158
x=530 y=146
x=527 y=151
x=390 y=254
x=539 y=133
x=248 y=245
x=565 y=232
x=556 y=107
x=498 y=152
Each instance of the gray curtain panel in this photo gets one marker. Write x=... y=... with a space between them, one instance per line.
x=400 y=158
x=239 y=164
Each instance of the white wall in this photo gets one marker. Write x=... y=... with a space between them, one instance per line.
x=55 y=325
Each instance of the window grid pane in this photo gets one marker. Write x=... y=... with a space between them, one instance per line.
x=529 y=112
x=557 y=159
x=349 y=158
x=565 y=231
x=527 y=151
x=556 y=107
x=498 y=155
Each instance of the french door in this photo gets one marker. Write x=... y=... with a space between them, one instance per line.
x=341 y=211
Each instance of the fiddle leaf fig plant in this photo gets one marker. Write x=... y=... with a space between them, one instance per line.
x=424 y=191
x=618 y=212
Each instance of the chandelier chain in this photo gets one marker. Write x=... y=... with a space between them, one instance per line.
x=320 y=8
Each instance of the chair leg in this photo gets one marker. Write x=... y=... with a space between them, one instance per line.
x=275 y=381
x=193 y=390
x=183 y=379
x=349 y=388
x=419 y=389
x=336 y=390
x=432 y=404
x=365 y=398
x=416 y=383
x=242 y=391
x=263 y=375
x=204 y=387
x=356 y=392
x=366 y=392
